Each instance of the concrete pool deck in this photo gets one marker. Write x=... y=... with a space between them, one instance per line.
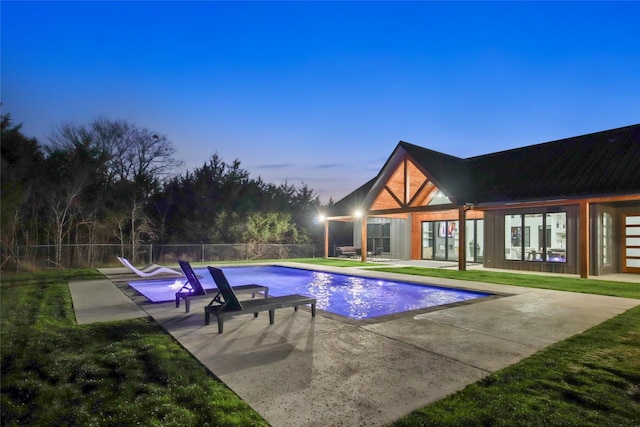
x=326 y=371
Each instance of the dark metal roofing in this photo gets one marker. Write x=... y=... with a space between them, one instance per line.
x=605 y=163
x=599 y=164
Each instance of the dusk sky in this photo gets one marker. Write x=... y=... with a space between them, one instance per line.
x=321 y=93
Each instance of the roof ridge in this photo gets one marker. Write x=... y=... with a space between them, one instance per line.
x=419 y=147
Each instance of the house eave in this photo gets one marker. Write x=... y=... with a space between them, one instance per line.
x=557 y=201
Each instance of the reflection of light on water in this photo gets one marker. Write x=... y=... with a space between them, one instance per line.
x=176 y=285
x=359 y=298
x=320 y=287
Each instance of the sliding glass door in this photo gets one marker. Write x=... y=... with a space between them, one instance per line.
x=440 y=240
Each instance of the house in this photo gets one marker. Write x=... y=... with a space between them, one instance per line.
x=568 y=206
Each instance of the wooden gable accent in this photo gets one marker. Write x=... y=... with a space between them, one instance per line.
x=386 y=200
x=406 y=187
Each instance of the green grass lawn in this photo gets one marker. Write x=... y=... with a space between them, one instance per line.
x=591 y=379
x=336 y=262
x=55 y=372
x=570 y=284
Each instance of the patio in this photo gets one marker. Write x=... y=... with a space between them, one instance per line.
x=330 y=372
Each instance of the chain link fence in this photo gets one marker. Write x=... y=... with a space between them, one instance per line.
x=36 y=257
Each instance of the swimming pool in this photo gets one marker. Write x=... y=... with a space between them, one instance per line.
x=351 y=296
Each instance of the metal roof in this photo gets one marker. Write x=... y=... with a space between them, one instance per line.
x=598 y=164
x=605 y=163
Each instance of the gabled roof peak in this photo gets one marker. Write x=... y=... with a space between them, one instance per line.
x=411 y=148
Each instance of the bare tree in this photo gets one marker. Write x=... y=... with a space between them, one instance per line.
x=130 y=153
x=63 y=210
x=130 y=163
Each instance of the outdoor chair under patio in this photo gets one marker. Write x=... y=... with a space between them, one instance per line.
x=228 y=304
x=375 y=253
x=150 y=271
x=193 y=289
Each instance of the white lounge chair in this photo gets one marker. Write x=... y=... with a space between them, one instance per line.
x=150 y=271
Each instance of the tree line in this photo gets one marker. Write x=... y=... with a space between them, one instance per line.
x=111 y=181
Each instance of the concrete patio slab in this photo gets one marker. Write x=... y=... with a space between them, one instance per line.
x=536 y=318
x=473 y=348
x=101 y=301
x=308 y=372
x=305 y=371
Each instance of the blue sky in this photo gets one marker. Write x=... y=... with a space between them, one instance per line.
x=321 y=92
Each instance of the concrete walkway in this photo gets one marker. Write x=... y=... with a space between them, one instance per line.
x=330 y=372
x=101 y=301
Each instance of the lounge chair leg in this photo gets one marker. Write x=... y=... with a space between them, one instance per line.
x=207 y=317
x=220 y=324
x=313 y=310
x=187 y=305
x=177 y=301
x=272 y=316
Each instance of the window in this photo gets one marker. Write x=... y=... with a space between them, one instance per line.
x=379 y=236
x=427 y=240
x=533 y=248
x=513 y=236
x=474 y=236
x=439 y=199
x=556 y=239
x=547 y=243
x=441 y=240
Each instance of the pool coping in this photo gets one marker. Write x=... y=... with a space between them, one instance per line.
x=325 y=371
x=141 y=299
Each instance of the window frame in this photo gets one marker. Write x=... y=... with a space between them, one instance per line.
x=517 y=229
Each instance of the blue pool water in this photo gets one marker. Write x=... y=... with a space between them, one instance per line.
x=355 y=297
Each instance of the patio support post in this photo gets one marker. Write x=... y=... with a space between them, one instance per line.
x=326 y=238
x=583 y=232
x=364 y=238
x=462 y=253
